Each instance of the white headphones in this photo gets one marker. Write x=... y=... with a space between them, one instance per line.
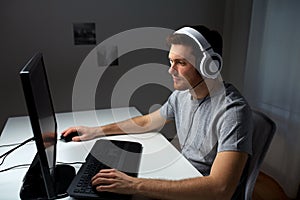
x=211 y=63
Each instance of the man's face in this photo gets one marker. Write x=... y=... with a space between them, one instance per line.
x=182 y=69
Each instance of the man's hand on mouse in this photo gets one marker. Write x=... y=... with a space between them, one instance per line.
x=85 y=133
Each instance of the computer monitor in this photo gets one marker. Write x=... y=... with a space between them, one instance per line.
x=43 y=177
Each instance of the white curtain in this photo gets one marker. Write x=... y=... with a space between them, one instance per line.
x=272 y=84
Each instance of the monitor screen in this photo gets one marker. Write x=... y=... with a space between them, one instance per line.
x=42 y=116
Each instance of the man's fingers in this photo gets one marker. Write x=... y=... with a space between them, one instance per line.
x=103 y=181
x=105 y=173
x=106 y=188
x=76 y=139
x=68 y=131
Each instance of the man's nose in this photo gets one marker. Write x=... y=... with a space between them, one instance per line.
x=172 y=69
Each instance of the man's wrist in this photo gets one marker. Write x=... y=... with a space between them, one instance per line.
x=98 y=132
x=137 y=185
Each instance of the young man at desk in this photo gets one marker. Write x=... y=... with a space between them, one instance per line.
x=213 y=122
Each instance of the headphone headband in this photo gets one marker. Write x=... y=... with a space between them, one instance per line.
x=196 y=36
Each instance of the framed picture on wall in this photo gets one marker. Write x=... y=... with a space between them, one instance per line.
x=84 y=33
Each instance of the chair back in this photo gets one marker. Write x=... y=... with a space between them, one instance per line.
x=263 y=132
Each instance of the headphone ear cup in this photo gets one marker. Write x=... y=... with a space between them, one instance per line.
x=210 y=65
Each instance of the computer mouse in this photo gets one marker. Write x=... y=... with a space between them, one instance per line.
x=69 y=137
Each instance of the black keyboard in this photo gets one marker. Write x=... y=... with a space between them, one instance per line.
x=105 y=154
x=92 y=167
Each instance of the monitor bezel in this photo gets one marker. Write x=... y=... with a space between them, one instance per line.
x=26 y=77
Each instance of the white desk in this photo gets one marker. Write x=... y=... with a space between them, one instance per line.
x=159 y=160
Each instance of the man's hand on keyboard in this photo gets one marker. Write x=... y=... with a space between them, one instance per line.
x=112 y=180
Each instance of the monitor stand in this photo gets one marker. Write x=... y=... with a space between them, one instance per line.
x=33 y=184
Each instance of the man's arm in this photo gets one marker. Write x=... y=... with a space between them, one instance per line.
x=140 y=124
x=220 y=184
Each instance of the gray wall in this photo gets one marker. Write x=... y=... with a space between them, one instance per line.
x=46 y=26
x=235 y=35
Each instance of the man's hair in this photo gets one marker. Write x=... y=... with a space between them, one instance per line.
x=212 y=37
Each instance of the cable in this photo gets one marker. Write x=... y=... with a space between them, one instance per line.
x=13 y=149
x=9 y=145
x=4 y=156
x=192 y=121
x=197 y=84
x=13 y=167
x=3 y=159
x=27 y=165
x=71 y=163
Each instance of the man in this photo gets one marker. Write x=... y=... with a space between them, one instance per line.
x=213 y=124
